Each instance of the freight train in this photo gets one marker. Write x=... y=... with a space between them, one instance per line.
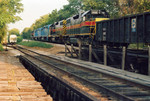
x=95 y=26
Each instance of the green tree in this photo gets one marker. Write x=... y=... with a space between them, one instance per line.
x=26 y=33
x=3 y=32
x=19 y=39
x=53 y=17
x=111 y=6
x=93 y=4
x=128 y=7
x=40 y=22
x=14 y=31
x=8 y=11
x=76 y=5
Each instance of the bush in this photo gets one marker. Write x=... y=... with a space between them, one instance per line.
x=19 y=39
x=1 y=47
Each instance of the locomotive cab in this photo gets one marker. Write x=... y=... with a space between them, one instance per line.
x=95 y=15
x=89 y=19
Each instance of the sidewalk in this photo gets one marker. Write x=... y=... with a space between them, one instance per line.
x=16 y=83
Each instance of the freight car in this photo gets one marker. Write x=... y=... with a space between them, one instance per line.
x=125 y=30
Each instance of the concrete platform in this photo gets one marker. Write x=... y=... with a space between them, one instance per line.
x=16 y=83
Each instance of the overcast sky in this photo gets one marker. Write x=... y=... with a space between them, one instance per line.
x=33 y=9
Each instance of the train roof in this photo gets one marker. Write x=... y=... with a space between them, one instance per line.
x=85 y=13
x=127 y=16
x=95 y=12
x=38 y=29
x=47 y=26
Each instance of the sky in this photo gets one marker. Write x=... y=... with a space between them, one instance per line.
x=34 y=9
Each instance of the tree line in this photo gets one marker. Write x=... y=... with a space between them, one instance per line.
x=8 y=11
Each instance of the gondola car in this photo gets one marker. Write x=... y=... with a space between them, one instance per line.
x=125 y=30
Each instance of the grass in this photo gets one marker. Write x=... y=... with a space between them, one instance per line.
x=140 y=46
x=35 y=44
x=1 y=47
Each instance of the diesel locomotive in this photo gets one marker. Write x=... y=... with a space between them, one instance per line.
x=82 y=26
x=95 y=26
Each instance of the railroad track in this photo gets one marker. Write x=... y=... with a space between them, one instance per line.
x=111 y=86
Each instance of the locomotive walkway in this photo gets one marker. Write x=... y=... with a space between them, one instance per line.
x=17 y=84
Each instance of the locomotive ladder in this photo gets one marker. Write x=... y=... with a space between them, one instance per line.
x=92 y=29
x=64 y=27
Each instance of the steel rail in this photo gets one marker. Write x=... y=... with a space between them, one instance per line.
x=101 y=88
